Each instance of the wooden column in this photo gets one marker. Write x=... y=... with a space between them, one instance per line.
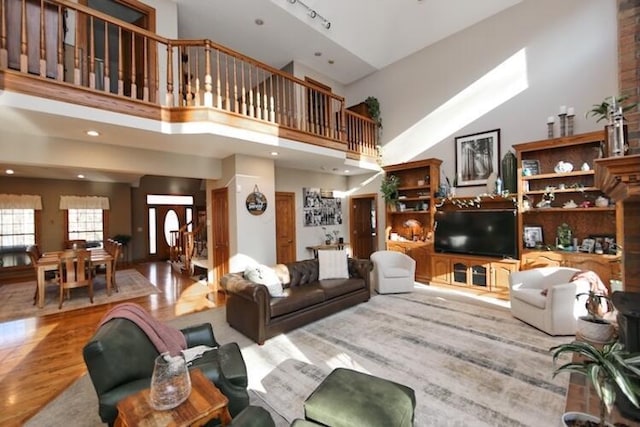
x=619 y=178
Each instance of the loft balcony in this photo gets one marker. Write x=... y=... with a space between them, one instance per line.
x=68 y=52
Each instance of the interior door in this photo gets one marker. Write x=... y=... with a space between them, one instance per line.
x=168 y=218
x=220 y=231
x=135 y=53
x=32 y=32
x=285 y=227
x=363 y=226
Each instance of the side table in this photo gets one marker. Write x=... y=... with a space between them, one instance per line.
x=204 y=404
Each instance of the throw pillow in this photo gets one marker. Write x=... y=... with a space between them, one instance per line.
x=332 y=264
x=263 y=275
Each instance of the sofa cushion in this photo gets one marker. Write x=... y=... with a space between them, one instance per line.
x=332 y=264
x=263 y=275
x=298 y=298
x=335 y=287
x=392 y=272
x=530 y=296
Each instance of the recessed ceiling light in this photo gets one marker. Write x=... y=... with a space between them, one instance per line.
x=93 y=133
x=346 y=171
x=259 y=21
x=80 y=176
x=318 y=54
x=274 y=153
x=9 y=172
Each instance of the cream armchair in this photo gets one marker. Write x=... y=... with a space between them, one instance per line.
x=393 y=272
x=546 y=298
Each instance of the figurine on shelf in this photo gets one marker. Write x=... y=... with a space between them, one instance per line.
x=602 y=202
x=563 y=167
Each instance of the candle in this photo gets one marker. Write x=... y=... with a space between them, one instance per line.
x=571 y=111
x=551 y=119
x=563 y=109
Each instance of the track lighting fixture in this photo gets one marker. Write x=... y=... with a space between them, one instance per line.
x=313 y=14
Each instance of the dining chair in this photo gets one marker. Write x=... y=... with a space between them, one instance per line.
x=33 y=251
x=76 y=244
x=75 y=271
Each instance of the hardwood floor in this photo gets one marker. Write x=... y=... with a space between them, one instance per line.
x=41 y=356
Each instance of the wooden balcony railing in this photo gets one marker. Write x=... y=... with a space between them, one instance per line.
x=77 y=47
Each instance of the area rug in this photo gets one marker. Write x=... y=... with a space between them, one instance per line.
x=17 y=298
x=469 y=362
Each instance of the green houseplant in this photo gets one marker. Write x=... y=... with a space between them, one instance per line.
x=601 y=110
x=594 y=327
x=389 y=189
x=607 y=368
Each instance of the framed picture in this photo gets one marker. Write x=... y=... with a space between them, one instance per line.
x=606 y=242
x=588 y=245
x=532 y=236
x=530 y=167
x=477 y=157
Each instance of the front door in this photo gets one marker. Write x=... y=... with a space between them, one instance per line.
x=285 y=228
x=220 y=231
x=168 y=219
x=363 y=226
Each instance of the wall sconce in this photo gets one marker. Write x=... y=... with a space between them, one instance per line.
x=313 y=14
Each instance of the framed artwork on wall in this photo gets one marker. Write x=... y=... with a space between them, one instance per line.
x=320 y=207
x=477 y=157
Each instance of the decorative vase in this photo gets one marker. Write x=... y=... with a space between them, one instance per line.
x=509 y=172
x=598 y=331
x=170 y=382
x=571 y=419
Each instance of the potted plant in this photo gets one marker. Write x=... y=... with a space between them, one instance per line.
x=389 y=189
x=601 y=111
x=593 y=326
x=608 y=369
x=373 y=108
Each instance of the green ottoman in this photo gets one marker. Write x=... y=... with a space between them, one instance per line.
x=348 y=398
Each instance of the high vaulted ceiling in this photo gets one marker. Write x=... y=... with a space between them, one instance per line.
x=364 y=36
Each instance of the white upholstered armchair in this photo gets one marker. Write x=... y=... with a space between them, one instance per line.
x=546 y=298
x=393 y=272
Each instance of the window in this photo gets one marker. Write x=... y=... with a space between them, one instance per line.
x=17 y=229
x=85 y=224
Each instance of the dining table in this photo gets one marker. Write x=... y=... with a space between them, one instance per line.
x=50 y=261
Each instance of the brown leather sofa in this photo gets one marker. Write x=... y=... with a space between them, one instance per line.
x=259 y=316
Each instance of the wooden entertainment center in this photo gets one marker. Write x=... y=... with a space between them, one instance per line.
x=570 y=192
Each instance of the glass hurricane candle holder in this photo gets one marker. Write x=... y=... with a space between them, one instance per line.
x=170 y=382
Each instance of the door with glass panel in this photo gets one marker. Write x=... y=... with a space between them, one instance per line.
x=169 y=217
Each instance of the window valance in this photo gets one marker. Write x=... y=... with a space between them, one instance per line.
x=84 y=202
x=20 y=201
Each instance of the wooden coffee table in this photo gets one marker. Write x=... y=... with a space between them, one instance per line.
x=204 y=404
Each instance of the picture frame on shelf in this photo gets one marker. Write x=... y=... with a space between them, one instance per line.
x=588 y=245
x=607 y=243
x=532 y=236
x=477 y=158
x=530 y=167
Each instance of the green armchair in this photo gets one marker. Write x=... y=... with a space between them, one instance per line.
x=120 y=360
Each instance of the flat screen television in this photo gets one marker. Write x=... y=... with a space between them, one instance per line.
x=477 y=232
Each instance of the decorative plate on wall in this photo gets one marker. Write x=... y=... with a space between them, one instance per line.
x=256 y=202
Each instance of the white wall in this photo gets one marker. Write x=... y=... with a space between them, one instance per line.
x=293 y=181
x=565 y=54
x=252 y=237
